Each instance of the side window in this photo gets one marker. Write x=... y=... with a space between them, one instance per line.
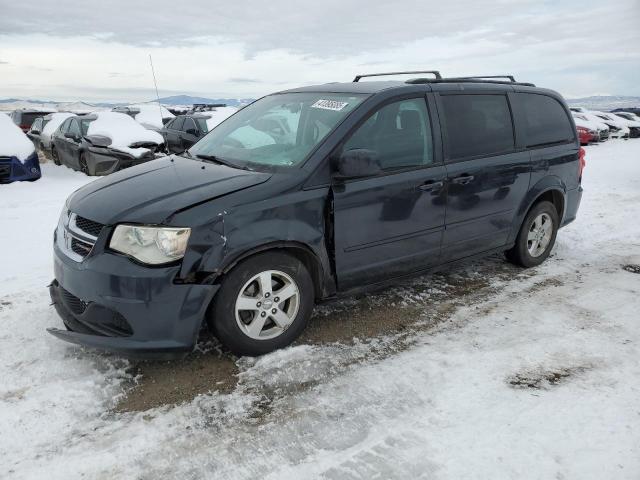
x=477 y=125
x=177 y=123
x=400 y=134
x=74 y=127
x=546 y=121
x=65 y=126
x=188 y=123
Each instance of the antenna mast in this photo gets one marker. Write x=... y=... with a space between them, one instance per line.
x=156 y=85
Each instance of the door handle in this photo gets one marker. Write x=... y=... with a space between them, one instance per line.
x=463 y=179
x=431 y=185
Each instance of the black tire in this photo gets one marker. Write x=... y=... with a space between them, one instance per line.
x=83 y=164
x=54 y=156
x=520 y=253
x=222 y=314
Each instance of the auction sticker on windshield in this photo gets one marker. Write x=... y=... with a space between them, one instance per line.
x=330 y=105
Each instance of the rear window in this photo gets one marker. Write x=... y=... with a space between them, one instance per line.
x=477 y=125
x=546 y=121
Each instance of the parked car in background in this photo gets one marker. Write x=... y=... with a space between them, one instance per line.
x=149 y=115
x=104 y=142
x=43 y=127
x=24 y=118
x=35 y=131
x=380 y=181
x=586 y=131
x=632 y=121
x=617 y=126
x=18 y=157
x=634 y=110
x=594 y=123
x=184 y=131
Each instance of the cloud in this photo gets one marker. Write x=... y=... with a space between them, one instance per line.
x=249 y=48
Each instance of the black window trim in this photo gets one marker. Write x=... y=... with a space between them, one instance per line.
x=378 y=106
x=445 y=134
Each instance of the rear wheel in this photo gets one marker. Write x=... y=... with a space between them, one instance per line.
x=54 y=155
x=264 y=304
x=536 y=237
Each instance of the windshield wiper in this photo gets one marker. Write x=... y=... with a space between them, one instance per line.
x=214 y=159
x=187 y=153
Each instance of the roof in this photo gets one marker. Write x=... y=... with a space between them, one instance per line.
x=368 y=87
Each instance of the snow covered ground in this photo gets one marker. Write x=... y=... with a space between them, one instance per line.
x=533 y=376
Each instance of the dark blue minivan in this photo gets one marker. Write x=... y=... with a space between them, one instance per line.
x=360 y=185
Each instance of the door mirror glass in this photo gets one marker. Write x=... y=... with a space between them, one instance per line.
x=192 y=131
x=72 y=136
x=35 y=131
x=358 y=163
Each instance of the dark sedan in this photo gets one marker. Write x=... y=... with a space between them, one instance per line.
x=120 y=143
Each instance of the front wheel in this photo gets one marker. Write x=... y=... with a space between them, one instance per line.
x=83 y=164
x=54 y=156
x=264 y=304
x=536 y=237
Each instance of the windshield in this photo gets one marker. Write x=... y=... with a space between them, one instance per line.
x=278 y=130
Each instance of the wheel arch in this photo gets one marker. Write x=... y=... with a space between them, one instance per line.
x=299 y=250
x=551 y=189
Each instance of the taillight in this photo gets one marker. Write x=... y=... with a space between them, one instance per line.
x=583 y=162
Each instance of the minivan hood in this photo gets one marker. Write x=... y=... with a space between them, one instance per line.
x=151 y=192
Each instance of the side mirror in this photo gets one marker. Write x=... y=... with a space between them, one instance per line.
x=35 y=132
x=72 y=136
x=98 y=140
x=192 y=131
x=357 y=163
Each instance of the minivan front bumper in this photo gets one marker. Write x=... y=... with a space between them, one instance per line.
x=109 y=302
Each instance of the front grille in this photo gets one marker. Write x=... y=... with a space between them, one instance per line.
x=80 y=248
x=88 y=226
x=73 y=303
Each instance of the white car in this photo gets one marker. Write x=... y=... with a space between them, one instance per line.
x=617 y=127
x=592 y=122
x=632 y=121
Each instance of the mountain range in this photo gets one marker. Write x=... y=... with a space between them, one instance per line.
x=598 y=102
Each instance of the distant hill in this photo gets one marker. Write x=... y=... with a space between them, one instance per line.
x=605 y=102
x=189 y=100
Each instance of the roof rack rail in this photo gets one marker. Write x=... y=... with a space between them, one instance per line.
x=435 y=73
x=480 y=77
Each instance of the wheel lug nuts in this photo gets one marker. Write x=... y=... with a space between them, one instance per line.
x=276 y=299
x=273 y=310
x=267 y=295
x=258 y=304
x=262 y=314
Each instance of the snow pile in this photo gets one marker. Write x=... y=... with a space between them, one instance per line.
x=218 y=115
x=55 y=120
x=536 y=379
x=150 y=114
x=123 y=131
x=13 y=141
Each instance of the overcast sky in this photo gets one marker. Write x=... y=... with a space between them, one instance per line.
x=98 y=50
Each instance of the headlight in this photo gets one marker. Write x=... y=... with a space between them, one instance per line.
x=152 y=245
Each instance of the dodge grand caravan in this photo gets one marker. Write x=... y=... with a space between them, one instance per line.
x=376 y=181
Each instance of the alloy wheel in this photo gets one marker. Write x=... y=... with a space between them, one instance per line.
x=540 y=234
x=267 y=305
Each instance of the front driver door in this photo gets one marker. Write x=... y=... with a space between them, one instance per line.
x=391 y=224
